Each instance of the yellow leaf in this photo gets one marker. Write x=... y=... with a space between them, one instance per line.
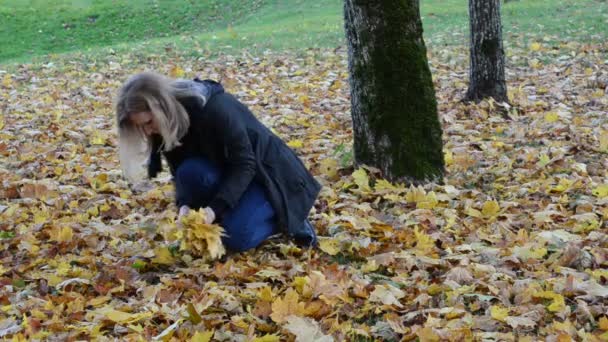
x=370 y=266
x=287 y=306
x=424 y=243
x=387 y=295
x=588 y=71
x=415 y=195
x=329 y=167
x=137 y=328
x=598 y=274
x=60 y=235
x=586 y=225
x=473 y=212
x=265 y=293
x=543 y=160
x=97 y=139
x=125 y=317
x=490 y=209
x=499 y=313
x=6 y=81
x=535 y=47
x=601 y=191
x=558 y=304
x=202 y=336
x=200 y=238
x=177 y=72
x=167 y=334
x=534 y=63
x=295 y=143
x=603 y=323
x=563 y=185
x=448 y=156
x=329 y=245
x=100 y=182
x=427 y=334
x=430 y=201
x=361 y=179
x=384 y=185
x=298 y=284
x=528 y=252
x=1 y=122
x=97 y=301
x=193 y=315
x=163 y=256
x=551 y=117
x=267 y=338
x=603 y=141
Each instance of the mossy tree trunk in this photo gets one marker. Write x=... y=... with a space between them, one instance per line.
x=394 y=109
x=487 y=66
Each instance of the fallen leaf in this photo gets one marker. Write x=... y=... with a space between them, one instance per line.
x=202 y=336
x=362 y=180
x=387 y=295
x=306 y=330
x=499 y=313
x=287 y=306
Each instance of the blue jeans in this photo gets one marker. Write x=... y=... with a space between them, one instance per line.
x=248 y=224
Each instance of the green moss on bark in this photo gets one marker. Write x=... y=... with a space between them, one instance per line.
x=398 y=103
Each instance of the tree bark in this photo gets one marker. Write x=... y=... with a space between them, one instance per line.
x=487 y=67
x=394 y=108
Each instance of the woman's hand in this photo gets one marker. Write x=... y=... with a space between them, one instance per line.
x=209 y=213
x=183 y=211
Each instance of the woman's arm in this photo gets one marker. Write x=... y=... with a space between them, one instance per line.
x=239 y=169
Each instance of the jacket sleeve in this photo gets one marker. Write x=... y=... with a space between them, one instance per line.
x=240 y=164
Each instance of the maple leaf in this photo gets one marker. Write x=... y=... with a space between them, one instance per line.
x=362 y=180
x=124 y=317
x=558 y=303
x=329 y=167
x=329 y=245
x=200 y=238
x=306 y=330
x=287 y=306
x=202 y=336
x=295 y=143
x=267 y=338
x=425 y=245
x=387 y=295
x=163 y=256
x=499 y=313
x=63 y=234
x=603 y=323
x=601 y=191
x=490 y=209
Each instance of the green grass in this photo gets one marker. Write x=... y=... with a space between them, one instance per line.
x=34 y=28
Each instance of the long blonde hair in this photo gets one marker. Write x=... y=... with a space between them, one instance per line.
x=160 y=95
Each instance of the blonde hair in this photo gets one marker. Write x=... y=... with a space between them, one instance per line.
x=159 y=95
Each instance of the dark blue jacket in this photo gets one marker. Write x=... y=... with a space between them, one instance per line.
x=225 y=131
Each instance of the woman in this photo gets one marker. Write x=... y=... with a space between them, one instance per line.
x=221 y=158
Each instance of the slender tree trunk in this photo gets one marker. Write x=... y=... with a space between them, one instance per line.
x=487 y=68
x=394 y=109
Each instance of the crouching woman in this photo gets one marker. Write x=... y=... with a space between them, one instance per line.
x=221 y=158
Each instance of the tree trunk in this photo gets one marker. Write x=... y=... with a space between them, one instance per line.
x=487 y=67
x=394 y=109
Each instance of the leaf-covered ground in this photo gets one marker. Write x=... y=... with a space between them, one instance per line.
x=512 y=247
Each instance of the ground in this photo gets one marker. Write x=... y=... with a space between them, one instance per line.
x=512 y=247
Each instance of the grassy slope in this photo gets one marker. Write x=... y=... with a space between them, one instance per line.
x=212 y=25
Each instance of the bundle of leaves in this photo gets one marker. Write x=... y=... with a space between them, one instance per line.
x=199 y=238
